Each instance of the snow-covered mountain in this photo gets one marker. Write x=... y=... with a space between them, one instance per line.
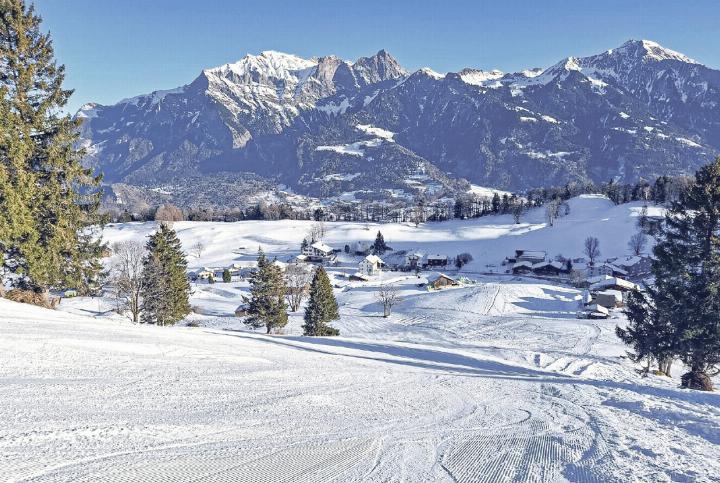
x=325 y=126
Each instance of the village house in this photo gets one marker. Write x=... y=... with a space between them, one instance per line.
x=593 y=311
x=614 y=283
x=605 y=268
x=636 y=266
x=549 y=268
x=522 y=268
x=319 y=252
x=370 y=266
x=413 y=260
x=436 y=260
x=532 y=256
x=443 y=281
x=610 y=299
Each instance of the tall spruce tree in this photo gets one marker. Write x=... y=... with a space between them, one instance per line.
x=166 y=292
x=266 y=304
x=322 y=307
x=48 y=200
x=379 y=246
x=685 y=301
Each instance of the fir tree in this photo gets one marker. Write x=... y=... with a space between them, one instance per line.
x=379 y=246
x=685 y=301
x=48 y=200
x=266 y=304
x=322 y=307
x=165 y=297
x=227 y=278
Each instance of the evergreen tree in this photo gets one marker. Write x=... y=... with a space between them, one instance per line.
x=165 y=297
x=227 y=278
x=322 y=307
x=685 y=301
x=379 y=246
x=48 y=201
x=266 y=304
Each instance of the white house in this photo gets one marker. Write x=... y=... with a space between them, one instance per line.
x=370 y=266
x=319 y=252
x=413 y=260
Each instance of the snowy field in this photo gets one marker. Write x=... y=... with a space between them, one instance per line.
x=494 y=381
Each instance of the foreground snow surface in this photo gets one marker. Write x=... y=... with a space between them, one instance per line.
x=494 y=389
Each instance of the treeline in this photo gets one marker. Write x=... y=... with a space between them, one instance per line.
x=663 y=190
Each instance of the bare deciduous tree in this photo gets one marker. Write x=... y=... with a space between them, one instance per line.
x=127 y=276
x=198 y=248
x=592 y=248
x=388 y=295
x=297 y=284
x=637 y=243
x=552 y=210
x=317 y=231
x=168 y=213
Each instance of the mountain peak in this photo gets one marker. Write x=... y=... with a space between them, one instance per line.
x=650 y=51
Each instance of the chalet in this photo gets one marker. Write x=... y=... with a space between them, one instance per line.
x=319 y=252
x=522 y=268
x=610 y=299
x=370 y=266
x=436 y=260
x=413 y=260
x=614 y=283
x=549 y=268
x=605 y=268
x=531 y=256
x=593 y=311
x=634 y=266
x=206 y=273
x=443 y=281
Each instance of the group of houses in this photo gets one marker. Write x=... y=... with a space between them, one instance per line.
x=604 y=293
x=534 y=262
x=419 y=260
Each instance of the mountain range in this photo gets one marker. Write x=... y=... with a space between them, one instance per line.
x=327 y=127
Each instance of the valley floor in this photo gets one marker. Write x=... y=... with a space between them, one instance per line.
x=493 y=382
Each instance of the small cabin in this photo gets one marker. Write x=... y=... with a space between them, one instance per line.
x=610 y=299
x=549 y=268
x=443 y=281
x=522 y=268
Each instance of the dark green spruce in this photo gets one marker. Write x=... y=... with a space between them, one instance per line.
x=165 y=297
x=48 y=200
x=266 y=303
x=322 y=308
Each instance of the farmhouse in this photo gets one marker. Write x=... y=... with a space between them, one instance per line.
x=605 y=268
x=610 y=299
x=413 y=260
x=370 y=266
x=634 y=266
x=531 y=256
x=442 y=281
x=549 y=268
x=522 y=268
x=436 y=260
x=614 y=283
x=319 y=252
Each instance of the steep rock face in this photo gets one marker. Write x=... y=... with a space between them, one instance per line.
x=325 y=126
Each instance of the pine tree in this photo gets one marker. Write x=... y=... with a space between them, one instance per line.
x=266 y=304
x=685 y=300
x=322 y=307
x=227 y=278
x=48 y=200
x=379 y=246
x=165 y=298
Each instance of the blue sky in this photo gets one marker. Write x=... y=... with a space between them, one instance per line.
x=120 y=48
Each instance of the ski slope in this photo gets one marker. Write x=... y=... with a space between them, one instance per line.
x=494 y=381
